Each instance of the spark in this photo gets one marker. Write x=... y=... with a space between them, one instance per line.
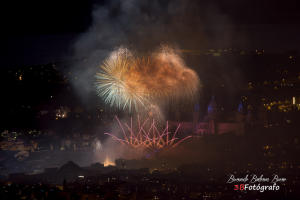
x=130 y=82
x=150 y=137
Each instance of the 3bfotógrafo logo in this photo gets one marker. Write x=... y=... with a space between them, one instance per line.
x=256 y=183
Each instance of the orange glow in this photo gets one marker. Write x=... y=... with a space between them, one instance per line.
x=127 y=80
x=108 y=162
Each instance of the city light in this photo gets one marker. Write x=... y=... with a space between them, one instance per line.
x=294 y=100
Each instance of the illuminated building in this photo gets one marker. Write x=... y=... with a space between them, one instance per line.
x=212 y=124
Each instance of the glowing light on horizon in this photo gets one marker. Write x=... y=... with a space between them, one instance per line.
x=108 y=162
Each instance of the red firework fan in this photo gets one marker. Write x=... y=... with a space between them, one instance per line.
x=150 y=137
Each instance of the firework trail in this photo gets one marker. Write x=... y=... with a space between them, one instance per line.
x=126 y=81
x=147 y=135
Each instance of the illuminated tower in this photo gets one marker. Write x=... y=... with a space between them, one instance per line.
x=241 y=107
x=212 y=108
x=240 y=118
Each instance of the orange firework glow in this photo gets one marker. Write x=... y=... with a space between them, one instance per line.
x=108 y=162
x=127 y=81
x=151 y=138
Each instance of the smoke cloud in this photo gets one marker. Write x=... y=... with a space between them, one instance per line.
x=145 y=25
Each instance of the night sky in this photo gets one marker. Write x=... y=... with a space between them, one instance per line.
x=35 y=32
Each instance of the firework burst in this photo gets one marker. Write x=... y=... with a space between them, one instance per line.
x=126 y=81
x=113 y=85
x=147 y=135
